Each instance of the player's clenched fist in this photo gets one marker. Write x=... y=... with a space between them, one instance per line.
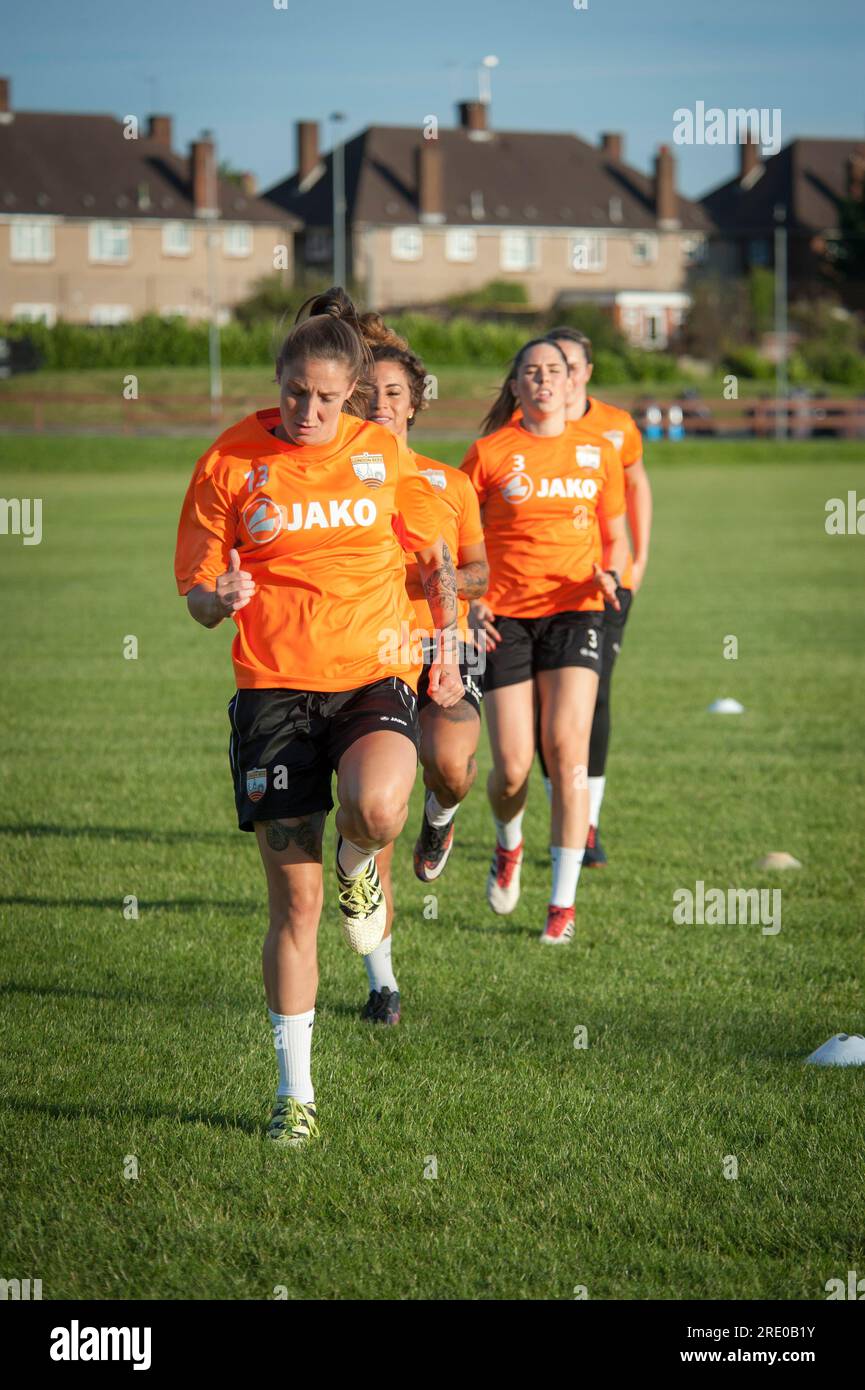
x=235 y=588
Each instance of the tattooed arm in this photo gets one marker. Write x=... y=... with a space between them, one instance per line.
x=439 y=581
x=473 y=575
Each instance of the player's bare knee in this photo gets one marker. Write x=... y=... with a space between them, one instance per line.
x=380 y=815
x=295 y=906
x=512 y=778
x=455 y=775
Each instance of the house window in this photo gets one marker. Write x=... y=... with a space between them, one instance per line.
x=107 y=315
x=109 y=241
x=35 y=313
x=758 y=253
x=237 y=239
x=461 y=244
x=518 y=251
x=644 y=249
x=318 y=247
x=587 y=253
x=406 y=244
x=176 y=239
x=175 y=311
x=694 y=250
x=32 y=241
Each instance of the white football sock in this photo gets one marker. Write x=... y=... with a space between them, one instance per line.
x=596 y=796
x=566 y=875
x=509 y=833
x=352 y=860
x=379 y=970
x=548 y=788
x=292 y=1038
x=437 y=814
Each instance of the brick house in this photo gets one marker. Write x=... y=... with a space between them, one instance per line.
x=808 y=178
x=431 y=217
x=96 y=227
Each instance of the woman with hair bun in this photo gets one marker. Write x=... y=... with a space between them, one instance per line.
x=295 y=525
x=448 y=734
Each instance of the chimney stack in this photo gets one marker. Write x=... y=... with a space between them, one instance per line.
x=5 y=101
x=473 y=118
x=665 y=188
x=307 y=148
x=159 y=130
x=249 y=184
x=613 y=145
x=749 y=158
x=202 y=163
x=430 y=182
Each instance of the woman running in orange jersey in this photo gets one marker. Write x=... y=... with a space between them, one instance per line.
x=448 y=734
x=295 y=525
x=552 y=498
x=621 y=430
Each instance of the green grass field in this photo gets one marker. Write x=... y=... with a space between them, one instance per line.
x=557 y=1166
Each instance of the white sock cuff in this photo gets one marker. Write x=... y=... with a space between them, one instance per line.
x=291 y=1018
x=437 y=814
x=566 y=866
x=509 y=833
x=352 y=859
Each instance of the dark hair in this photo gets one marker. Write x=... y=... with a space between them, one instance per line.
x=504 y=405
x=388 y=346
x=573 y=335
x=327 y=328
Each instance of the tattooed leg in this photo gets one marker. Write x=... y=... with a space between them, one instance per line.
x=306 y=832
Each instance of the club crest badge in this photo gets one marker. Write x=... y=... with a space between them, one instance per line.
x=588 y=456
x=434 y=476
x=256 y=783
x=369 y=468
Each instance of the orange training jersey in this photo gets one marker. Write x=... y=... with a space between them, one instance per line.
x=322 y=529
x=621 y=430
x=461 y=526
x=544 y=500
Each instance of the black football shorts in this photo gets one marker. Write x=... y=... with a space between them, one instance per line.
x=286 y=744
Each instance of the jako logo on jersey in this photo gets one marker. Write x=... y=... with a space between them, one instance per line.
x=263 y=520
x=616 y=437
x=256 y=783
x=516 y=488
x=586 y=488
x=369 y=468
x=588 y=456
x=434 y=476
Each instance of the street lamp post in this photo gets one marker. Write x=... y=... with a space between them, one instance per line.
x=484 y=79
x=339 y=260
x=780 y=321
x=212 y=238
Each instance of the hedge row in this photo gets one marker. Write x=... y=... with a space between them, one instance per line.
x=152 y=341
x=157 y=342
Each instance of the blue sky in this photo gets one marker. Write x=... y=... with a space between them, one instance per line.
x=248 y=70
